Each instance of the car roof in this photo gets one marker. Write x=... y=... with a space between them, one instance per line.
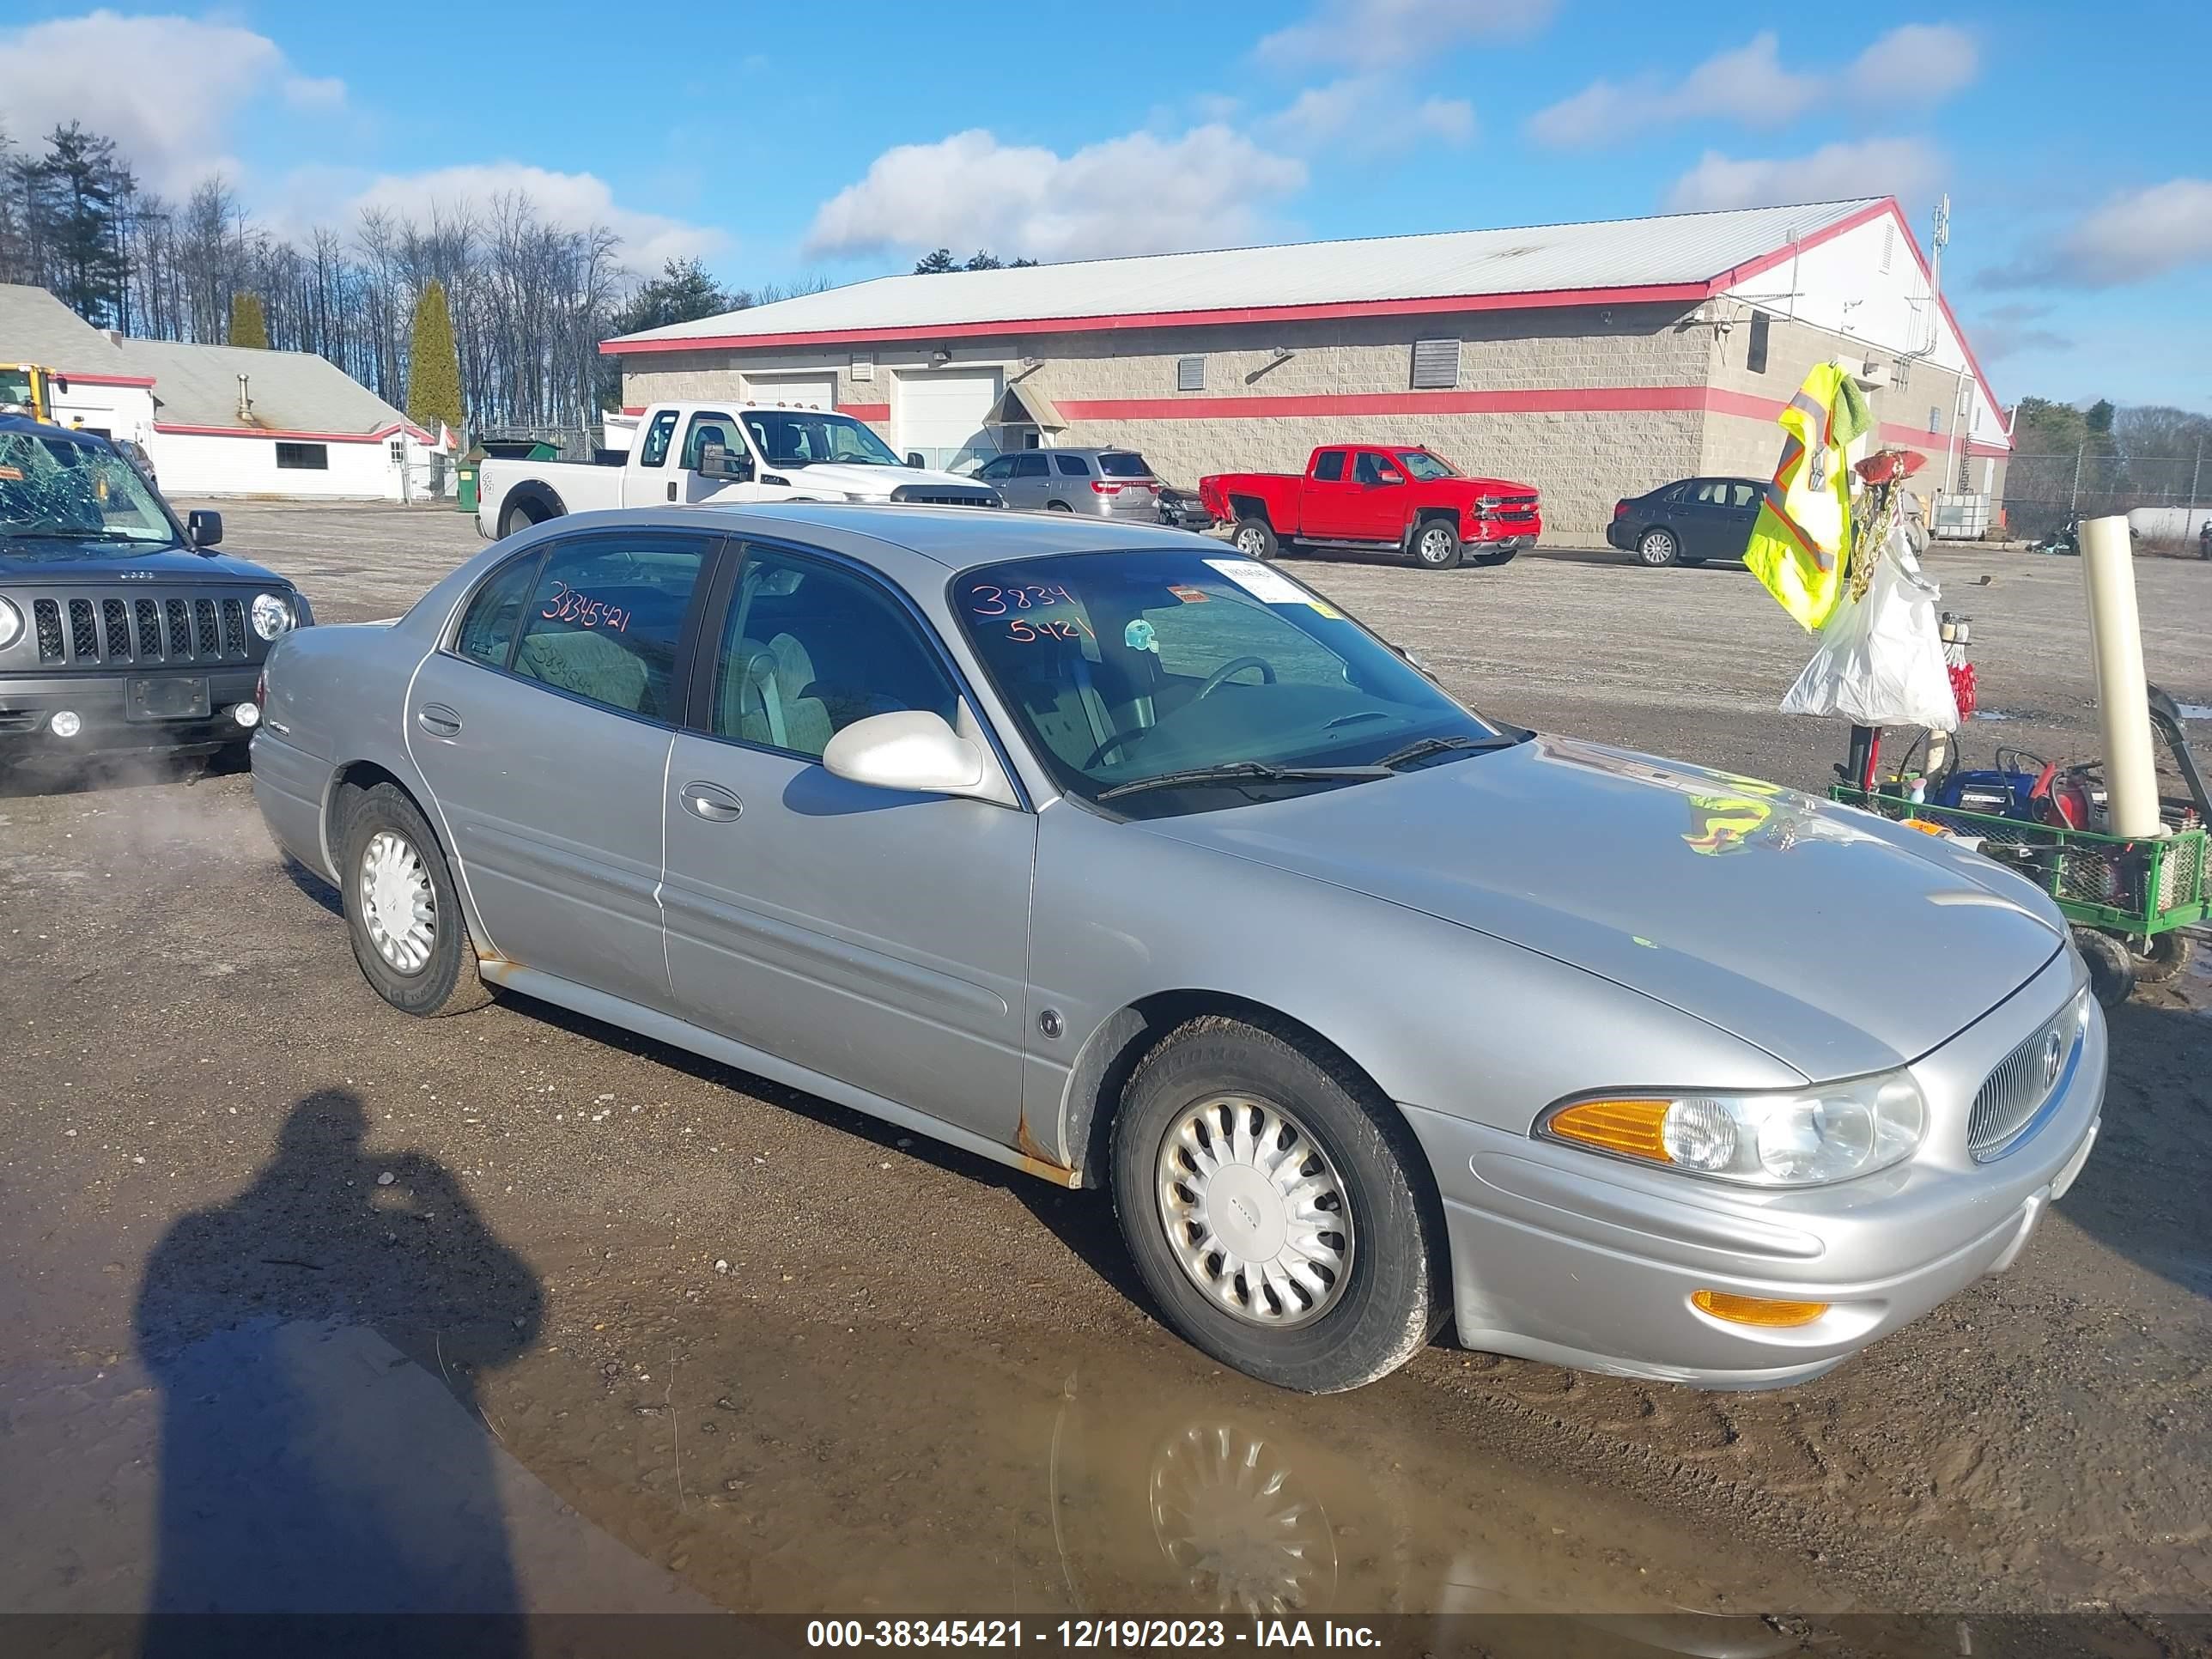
x=954 y=538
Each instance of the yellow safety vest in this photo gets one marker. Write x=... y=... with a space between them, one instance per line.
x=1798 y=548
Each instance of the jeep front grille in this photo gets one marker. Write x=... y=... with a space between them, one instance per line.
x=99 y=628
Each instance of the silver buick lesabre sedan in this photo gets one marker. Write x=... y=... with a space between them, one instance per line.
x=1102 y=853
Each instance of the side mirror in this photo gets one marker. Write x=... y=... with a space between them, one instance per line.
x=203 y=528
x=914 y=458
x=718 y=461
x=913 y=751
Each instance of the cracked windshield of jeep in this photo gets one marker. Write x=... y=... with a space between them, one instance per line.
x=60 y=494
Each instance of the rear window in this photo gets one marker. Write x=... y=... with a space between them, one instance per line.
x=1124 y=463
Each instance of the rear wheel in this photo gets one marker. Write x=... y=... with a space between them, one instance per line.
x=516 y=519
x=2111 y=969
x=1436 y=545
x=403 y=909
x=1280 y=1216
x=1058 y=507
x=1254 y=539
x=1656 y=548
x=2167 y=956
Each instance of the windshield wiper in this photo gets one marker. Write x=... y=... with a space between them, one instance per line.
x=1242 y=772
x=1425 y=747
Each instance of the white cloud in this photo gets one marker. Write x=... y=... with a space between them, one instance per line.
x=1918 y=63
x=314 y=92
x=166 y=90
x=1140 y=193
x=2008 y=330
x=574 y=200
x=1371 y=34
x=1878 y=166
x=1371 y=113
x=2133 y=237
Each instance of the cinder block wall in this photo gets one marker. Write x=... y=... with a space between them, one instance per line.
x=1581 y=460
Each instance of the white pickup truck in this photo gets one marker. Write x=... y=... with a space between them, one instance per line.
x=700 y=454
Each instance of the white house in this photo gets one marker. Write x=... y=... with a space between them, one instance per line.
x=236 y=421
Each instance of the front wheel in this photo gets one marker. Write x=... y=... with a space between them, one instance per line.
x=1436 y=545
x=1658 y=548
x=1281 y=1218
x=2111 y=969
x=1254 y=539
x=403 y=909
x=2163 y=961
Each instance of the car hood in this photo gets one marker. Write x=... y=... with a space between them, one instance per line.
x=876 y=480
x=74 y=564
x=1837 y=942
x=1486 y=486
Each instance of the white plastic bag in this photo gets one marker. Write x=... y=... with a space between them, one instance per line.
x=1881 y=659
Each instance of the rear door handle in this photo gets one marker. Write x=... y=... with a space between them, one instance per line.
x=438 y=721
x=712 y=802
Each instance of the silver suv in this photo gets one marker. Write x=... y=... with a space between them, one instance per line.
x=1106 y=484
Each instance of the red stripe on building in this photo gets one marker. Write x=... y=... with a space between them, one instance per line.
x=1654 y=294
x=1592 y=399
x=105 y=379
x=865 y=411
x=415 y=432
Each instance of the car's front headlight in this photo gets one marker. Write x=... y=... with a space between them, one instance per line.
x=272 y=615
x=1831 y=1132
x=11 y=624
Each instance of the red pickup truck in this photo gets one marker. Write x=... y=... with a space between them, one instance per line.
x=1394 y=496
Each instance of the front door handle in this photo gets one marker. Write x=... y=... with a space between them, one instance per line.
x=712 y=802
x=672 y=492
x=438 y=721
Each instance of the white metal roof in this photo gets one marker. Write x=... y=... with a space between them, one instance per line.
x=1675 y=248
x=37 y=328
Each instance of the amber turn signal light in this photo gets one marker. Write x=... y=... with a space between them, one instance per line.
x=1757 y=1310
x=1633 y=1126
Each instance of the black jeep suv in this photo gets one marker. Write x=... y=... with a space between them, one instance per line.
x=120 y=629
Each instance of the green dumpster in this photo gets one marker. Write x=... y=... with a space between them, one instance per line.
x=467 y=474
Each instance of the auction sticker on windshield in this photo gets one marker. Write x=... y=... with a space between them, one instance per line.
x=1261 y=583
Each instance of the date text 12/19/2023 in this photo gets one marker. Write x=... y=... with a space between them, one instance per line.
x=1081 y=1634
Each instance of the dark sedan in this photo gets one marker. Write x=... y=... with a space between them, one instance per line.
x=1686 y=522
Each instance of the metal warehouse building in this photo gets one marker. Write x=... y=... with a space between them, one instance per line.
x=1592 y=361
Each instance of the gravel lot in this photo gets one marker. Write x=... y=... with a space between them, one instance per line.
x=740 y=1348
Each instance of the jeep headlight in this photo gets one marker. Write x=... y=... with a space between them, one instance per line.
x=11 y=624
x=1804 y=1138
x=273 y=616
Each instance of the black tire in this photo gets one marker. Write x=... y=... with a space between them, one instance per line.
x=447 y=982
x=515 y=519
x=2111 y=969
x=1255 y=537
x=1058 y=507
x=2168 y=956
x=1394 y=1294
x=1489 y=559
x=1435 y=544
x=1657 y=548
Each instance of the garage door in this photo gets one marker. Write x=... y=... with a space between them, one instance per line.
x=941 y=415
x=801 y=391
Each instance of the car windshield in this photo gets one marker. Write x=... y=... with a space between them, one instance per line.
x=1424 y=467
x=797 y=437
x=76 y=498
x=1123 y=463
x=1125 y=667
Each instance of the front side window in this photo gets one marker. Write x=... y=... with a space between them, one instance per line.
x=1373 y=469
x=709 y=426
x=991 y=471
x=1125 y=667
x=1073 y=467
x=808 y=648
x=800 y=437
x=658 y=437
x=605 y=616
x=66 y=497
x=1424 y=466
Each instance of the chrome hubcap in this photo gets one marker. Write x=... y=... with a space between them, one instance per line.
x=1250 y=542
x=1434 y=545
x=1657 y=548
x=399 y=906
x=1227 y=1512
x=1255 y=1212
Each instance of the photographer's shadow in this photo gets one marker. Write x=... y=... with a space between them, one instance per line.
x=317 y=1341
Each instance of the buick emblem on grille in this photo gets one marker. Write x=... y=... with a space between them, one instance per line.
x=2054 y=1053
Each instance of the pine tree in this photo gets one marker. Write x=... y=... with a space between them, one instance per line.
x=931 y=263
x=434 y=368
x=248 y=327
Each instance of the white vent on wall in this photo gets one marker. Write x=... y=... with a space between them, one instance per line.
x=863 y=366
x=1436 y=365
x=1191 y=374
x=1889 y=243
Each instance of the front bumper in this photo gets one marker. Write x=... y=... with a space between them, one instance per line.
x=28 y=704
x=1563 y=1255
x=1523 y=530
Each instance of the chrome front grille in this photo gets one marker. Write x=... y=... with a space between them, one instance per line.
x=2023 y=1083
x=99 y=628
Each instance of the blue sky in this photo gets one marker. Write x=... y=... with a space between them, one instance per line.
x=782 y=140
